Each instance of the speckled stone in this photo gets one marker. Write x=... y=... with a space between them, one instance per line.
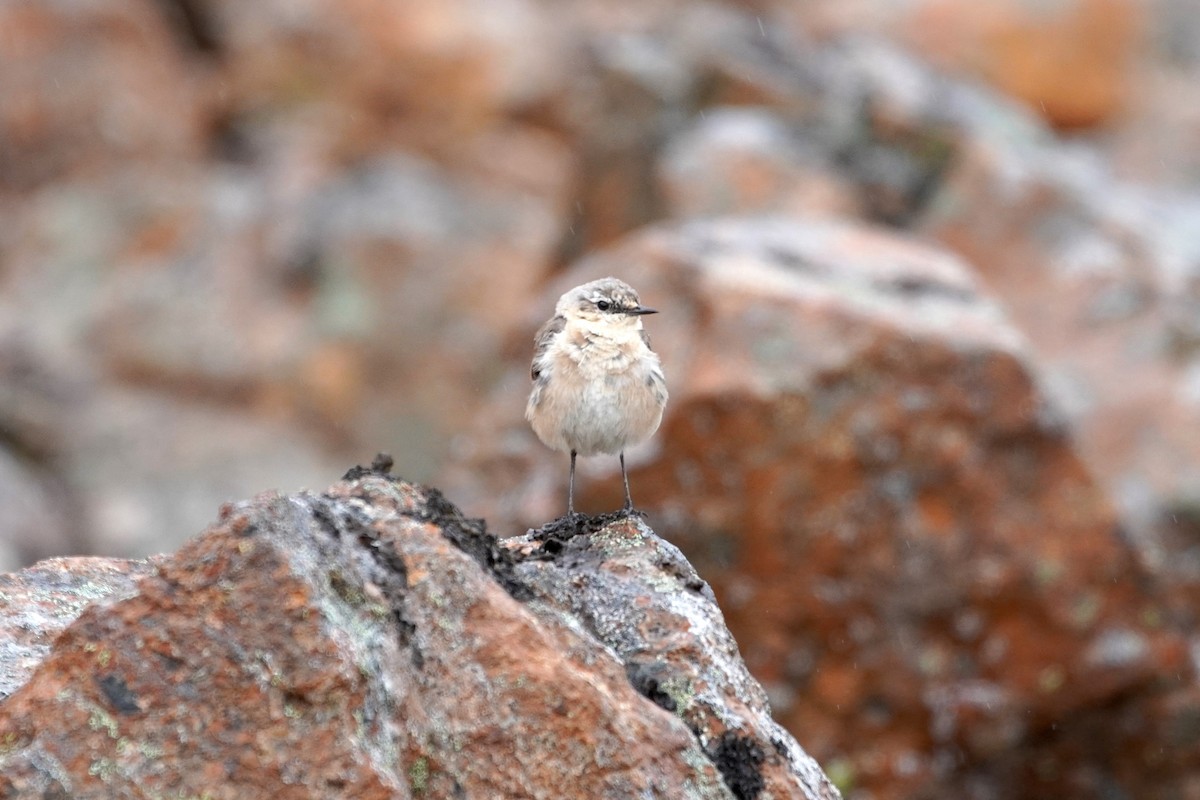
x=370 y=642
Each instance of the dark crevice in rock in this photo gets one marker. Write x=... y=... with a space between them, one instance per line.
x=119 y=696
x=739 y=760
x=913 y=287
x=645 y=678
x=690 y=580
x=471 y=536
x=383 y=567
x=324 y=517
x=794 y=261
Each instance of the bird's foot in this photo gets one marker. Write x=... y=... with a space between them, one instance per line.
x=630 y=511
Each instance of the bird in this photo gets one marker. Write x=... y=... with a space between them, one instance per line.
x=598 y=388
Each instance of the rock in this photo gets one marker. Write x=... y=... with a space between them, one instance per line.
x=1154 y=141
x=39 y=513
x=598 y=576
x=1104 y=279
x=1104 y=285
x=432 y=77
x=745 y=161
x=370 y=642
x=1074 y=62
x=39 y=602
x=142 y=466
x=34 y=525
x=1099 y=273
x=381 y=239
x=1071 y=62
x=244 y=240
x=258 y=249
x=242 y=305
x=857 y=456
x=99 y=107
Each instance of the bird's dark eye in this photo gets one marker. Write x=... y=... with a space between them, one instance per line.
x=603 y=305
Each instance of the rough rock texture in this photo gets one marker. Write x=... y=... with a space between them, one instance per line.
x=1071 y=61
x=39 y=602
x=242 y=243
x=675 y=649
x=246 y=206
x=370 y=642
x=919 y=566
x=1105 y=282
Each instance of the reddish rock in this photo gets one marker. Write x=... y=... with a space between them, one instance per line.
x=39 y=602
x=429 y=74
x=1075 y=62
x=856 y=454
x=234 y=307
x=245 y=237
x=1104 y=279
x=598 y=574
x=1071 y=61
x=746 y=161
x=77 y=94
x=370 y=642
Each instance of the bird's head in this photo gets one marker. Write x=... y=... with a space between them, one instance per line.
x=606 y=303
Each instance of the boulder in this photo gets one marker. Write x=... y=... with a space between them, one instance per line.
x=90 y=85
x=858 y=456
x=371 y=642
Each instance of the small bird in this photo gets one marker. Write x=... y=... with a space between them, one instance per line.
x=597 y=385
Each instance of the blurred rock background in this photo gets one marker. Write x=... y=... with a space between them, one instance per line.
x=930 y=275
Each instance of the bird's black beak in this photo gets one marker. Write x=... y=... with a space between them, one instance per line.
x=638 y=311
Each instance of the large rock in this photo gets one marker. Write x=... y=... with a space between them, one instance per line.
x=1104 y=279
x=914 y=557
x=1072 y=61
x=1100 y=274
x=748 y=161
x=63 y=115
x=429 y=74
x=676 y=651
x=39 y=602
x=370 y=642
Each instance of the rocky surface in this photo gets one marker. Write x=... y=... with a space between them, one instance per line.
x=39 y=602
x=858 y=457
x=370 y=642
x=1073 y=61
x=675 y=649
x=327 y=181
x=244 y=243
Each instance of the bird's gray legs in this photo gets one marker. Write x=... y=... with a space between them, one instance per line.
x=571 y=488
x=625 y=477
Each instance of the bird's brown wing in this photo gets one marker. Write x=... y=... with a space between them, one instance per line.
x=541 y=342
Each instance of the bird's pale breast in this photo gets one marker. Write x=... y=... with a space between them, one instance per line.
x=597 y=397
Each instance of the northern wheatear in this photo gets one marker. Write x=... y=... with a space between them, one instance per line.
x=597 y=385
